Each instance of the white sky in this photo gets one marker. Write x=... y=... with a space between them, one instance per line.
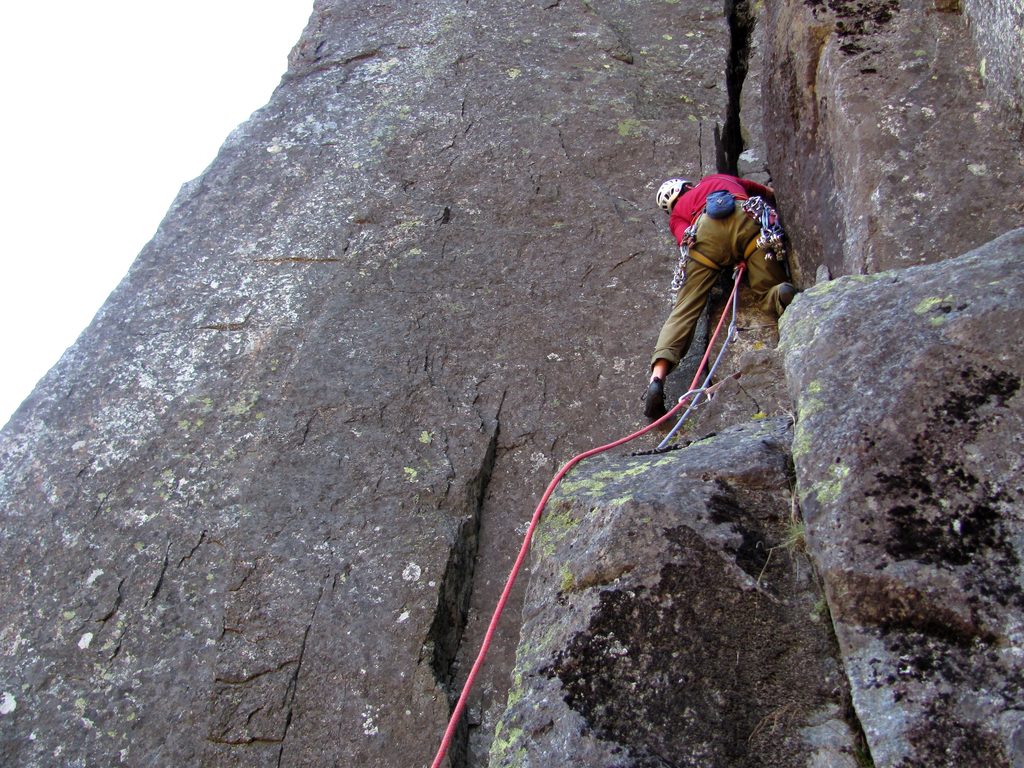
x=108 y=108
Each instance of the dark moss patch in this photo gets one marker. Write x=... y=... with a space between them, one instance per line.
x=856 y=21
x=943 y=736
x=697 y=671
x=752 y=553
x=862 y=17
x=947 y=740
x=937 y=511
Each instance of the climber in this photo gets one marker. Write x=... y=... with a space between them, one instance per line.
x=718 y=222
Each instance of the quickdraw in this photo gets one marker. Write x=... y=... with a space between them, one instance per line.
x=770 y=239
x=679 y=276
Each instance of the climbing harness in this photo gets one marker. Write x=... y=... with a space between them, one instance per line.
x=460 y=706
x=770 y=239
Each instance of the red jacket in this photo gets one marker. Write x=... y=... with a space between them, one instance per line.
x=691 y=203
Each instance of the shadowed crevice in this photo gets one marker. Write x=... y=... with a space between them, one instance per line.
x=445 y=636
x=741 y=20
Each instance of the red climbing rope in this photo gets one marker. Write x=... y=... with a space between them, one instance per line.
x=460 y=707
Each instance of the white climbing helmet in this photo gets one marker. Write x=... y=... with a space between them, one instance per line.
x=669 y=192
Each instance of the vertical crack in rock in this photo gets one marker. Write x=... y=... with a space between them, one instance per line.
x=729 y=144
x=163 y=573
x=742 y=18
x=293 y=683
x=445 y=636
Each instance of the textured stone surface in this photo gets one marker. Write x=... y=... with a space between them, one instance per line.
x=909 y=461
x=882 y=141
x=998 y=30
x=239 y=517
x=748 y=374
x=599 y=261
x=749 y=32
x=667 y=622
x=749 y=377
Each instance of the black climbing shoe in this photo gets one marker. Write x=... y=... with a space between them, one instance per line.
x=786 y=294
x=654 y=401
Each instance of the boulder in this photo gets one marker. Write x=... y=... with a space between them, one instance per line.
x=908 y=455
x=672 y=618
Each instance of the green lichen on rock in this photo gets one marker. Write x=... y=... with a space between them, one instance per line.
x=558 y=521
x=801 y=440
x=516 y=691
x=593 y=484
x=243 y=403
x=566 y=581
x=630 y=127
x=828 y=491
x=798 y=326
x=925 y=306
x=809 y=406
x=501 y=747
x=704 y=441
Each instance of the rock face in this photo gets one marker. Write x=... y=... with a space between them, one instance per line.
x=260 y=513
x=907 y=448
x=997 y=27
x=909 y=457
x=652 y=611
x=240 y=516
x=882 y=143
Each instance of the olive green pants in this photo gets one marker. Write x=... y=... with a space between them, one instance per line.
x=723 y=241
